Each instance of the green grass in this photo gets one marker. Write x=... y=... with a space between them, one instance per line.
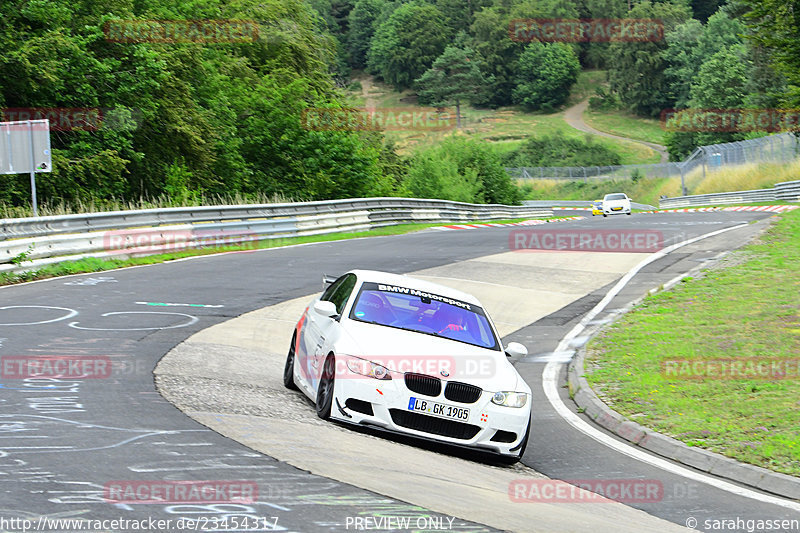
x=96 y=205
x=626 y=125
x=94 y=264
x=748 y=309
x=588 y=82
x=644 y=190
x=505 y=127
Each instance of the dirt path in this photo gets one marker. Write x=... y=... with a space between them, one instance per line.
x=574 y=117
x=366 y=87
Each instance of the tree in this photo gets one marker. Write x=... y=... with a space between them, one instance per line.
x=458 y=13
x=721 y=84
x=682 y=61
x=690 y=44
x=407 y=43
x=594 y=54
x=454 y=78
x=497 y=54
x=546 y=73
x=287 y=158
x=363 y=19
x=636 y=69
x=703 y=9
x=775 y=26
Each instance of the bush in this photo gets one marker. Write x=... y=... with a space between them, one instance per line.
x=604 y=100
x=462 y=170
x=559 y=151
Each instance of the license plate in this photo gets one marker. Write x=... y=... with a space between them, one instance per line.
x=616 y=209
x=441 y=410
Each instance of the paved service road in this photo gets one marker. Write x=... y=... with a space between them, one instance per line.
x=63 y=441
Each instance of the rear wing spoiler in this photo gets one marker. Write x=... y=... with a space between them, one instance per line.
x=327 y=280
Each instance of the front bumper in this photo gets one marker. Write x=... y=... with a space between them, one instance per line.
x=384 y=404
x=616 y=210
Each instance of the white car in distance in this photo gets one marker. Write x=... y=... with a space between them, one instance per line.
x=616 y=203
x=409 y=356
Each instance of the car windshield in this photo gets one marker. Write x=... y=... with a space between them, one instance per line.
x=423 y=312
x=615 y=196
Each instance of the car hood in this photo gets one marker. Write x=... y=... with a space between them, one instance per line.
x=617 y=203
x=405 y=351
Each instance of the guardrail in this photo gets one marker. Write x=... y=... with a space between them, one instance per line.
x=30 y=243
x=788 y=191
x=577 y=203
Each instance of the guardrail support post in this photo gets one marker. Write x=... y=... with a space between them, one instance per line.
x=684 y=192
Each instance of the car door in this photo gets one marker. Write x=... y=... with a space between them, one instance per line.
x=323 y=330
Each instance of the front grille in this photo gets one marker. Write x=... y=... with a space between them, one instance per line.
x=422 y=384
x=462 y=392
x=433 y=425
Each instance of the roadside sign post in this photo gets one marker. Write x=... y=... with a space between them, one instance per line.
x=25 y=148
x=34 y=203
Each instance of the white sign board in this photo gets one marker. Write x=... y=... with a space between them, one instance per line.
x=25 y=147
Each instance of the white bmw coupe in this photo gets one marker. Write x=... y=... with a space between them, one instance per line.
x=412 y=357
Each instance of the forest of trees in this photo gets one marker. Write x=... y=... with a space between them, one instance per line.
x=189 y=119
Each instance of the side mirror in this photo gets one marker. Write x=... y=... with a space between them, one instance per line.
x=325 y=308
x=515 y=349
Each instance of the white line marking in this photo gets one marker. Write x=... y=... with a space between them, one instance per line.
x=192 y=320
x=70 y=313
x=550 y=386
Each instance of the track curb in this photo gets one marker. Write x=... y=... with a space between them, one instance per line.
x=706 y=461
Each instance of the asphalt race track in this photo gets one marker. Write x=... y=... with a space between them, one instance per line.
x=64 y=442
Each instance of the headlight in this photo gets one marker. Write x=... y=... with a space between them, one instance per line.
x=368 y=368
x=510 y=399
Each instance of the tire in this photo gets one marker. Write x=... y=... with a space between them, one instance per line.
x=514 y=459
x=629 y=213
x=326 y=387
x=288 y=369
x=604 y=215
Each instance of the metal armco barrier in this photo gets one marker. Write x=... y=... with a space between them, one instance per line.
x=35 y=242
x=578 y=203
x=788 y=191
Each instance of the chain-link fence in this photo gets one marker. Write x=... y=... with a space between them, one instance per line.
x=783 y=147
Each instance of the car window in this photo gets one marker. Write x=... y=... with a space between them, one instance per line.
x=615 y=197
x=326 y=295
x=421 y=312
x=341 y=292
